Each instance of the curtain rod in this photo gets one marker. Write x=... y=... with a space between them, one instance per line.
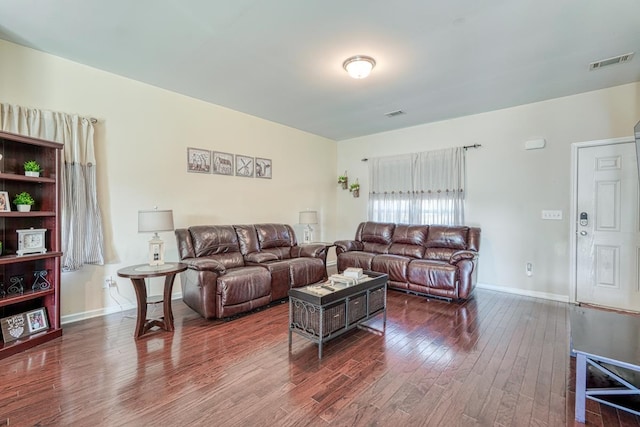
x=466 y=147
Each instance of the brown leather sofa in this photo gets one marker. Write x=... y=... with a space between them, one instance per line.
x=236 y=268
x=433 y=260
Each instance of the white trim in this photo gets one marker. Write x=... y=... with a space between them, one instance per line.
x=76 y=317
x=332 y=263
x=524 y=292
x=573 y=225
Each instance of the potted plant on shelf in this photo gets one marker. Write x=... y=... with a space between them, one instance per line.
x=23 y=201
x=32 y=168
x=343 y=180
x=355 y=189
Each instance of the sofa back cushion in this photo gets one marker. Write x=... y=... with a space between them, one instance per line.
x=375 y=236
x=218 y=242
x=409 y=240
x=444 y=236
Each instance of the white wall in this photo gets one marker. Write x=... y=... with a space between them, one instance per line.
x=142 y=137
x=507 y=187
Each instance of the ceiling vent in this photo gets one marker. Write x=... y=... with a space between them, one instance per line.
x=611 y=61
x=394 y=113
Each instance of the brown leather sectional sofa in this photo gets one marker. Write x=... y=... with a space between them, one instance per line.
x=236 y=268
x=433 y=260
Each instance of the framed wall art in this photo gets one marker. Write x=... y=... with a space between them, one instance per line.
x=222 y=163
x=263 y=168
x=244 y=166
x=198 y=160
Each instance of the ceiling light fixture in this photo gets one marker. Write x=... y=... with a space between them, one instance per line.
x=359 y=66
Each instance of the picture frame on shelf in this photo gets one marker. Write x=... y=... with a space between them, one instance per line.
x=198 y=160
x=5 y=203
x=222 y=163
x=263 y=168
x=37 y=320
x=244 y=166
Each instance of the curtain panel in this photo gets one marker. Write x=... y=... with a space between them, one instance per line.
x=418 y=188
x=82 y=237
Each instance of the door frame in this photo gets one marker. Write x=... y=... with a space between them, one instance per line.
x=573 y=214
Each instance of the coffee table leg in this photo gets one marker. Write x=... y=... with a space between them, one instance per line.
x=581 y=386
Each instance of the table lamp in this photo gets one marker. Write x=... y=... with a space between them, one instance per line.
x=308 y=218
x=152 y=222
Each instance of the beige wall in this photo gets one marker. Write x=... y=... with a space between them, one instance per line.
x=142 y=137
x=508 y=187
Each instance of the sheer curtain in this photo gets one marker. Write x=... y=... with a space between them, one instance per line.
x=418 y=188
x=82 y=238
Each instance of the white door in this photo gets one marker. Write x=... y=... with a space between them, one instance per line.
x=608 y=237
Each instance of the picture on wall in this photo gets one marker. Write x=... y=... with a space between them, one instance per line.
x=198 y=160
x=263 y=168
x=244 y=166
x=222 y=163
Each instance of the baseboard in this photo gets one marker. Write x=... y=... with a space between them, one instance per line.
x=524 y=292
x=76 y=317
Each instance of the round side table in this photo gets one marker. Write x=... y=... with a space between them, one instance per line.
x=138 y=274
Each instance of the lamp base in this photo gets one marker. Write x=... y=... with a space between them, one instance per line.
x=156 y=251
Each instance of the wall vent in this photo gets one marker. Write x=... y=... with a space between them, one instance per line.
x=394 y=113
x=611 y=61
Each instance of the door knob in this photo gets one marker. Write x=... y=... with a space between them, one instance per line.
x=583 y=233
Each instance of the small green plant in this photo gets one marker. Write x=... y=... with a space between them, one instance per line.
x=23 y=198
x=31 y=166
x=355 y=186
x=342 y=179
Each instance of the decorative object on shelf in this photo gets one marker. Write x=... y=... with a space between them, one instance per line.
x=198 y=161
x=5 y=206
x=0 y=247
x=355 y=189
x=2 y=291
x=32 y=168
x=222 y=163
x=24 y=324
x=40 y=283
x=343 y=180
x=17 y=285
x=263 y=168
x=307 y=218
x=23 y=201
x=154 y=221
x=359 y=66
x=31 y=241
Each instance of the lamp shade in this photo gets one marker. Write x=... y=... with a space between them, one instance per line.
x=154 y=221
x=308 y=217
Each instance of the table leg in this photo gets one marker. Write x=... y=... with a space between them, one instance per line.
x=581 y=386
x=141 y=295
x=168 y=312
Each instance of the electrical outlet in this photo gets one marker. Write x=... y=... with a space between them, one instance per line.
x=529 y=269
x=109 y=282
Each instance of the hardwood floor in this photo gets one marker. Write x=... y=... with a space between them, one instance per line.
x=496 y=360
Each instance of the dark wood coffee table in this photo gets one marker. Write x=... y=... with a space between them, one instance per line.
x=608 y=342
x=321 y=314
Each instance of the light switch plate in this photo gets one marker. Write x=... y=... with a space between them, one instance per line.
x=553 y=215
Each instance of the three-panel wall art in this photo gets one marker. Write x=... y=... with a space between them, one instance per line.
x=219 y=163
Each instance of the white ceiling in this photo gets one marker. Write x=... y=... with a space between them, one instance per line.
x=282 y=59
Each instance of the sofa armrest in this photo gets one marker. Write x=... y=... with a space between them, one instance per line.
x=260 y=257
x=309 y=251
x=348 y=245
x=205 y=264
x=458 y=256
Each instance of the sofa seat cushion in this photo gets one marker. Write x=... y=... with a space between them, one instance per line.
x=356 y=259
x=243 y=284
x=305 y=271
x=433 y=274
x=395 y=266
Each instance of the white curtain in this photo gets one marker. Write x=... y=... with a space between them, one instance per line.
x=82 y=238
x=418 y=188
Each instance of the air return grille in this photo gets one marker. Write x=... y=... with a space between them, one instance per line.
x=394 y=113
x=611 y=61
